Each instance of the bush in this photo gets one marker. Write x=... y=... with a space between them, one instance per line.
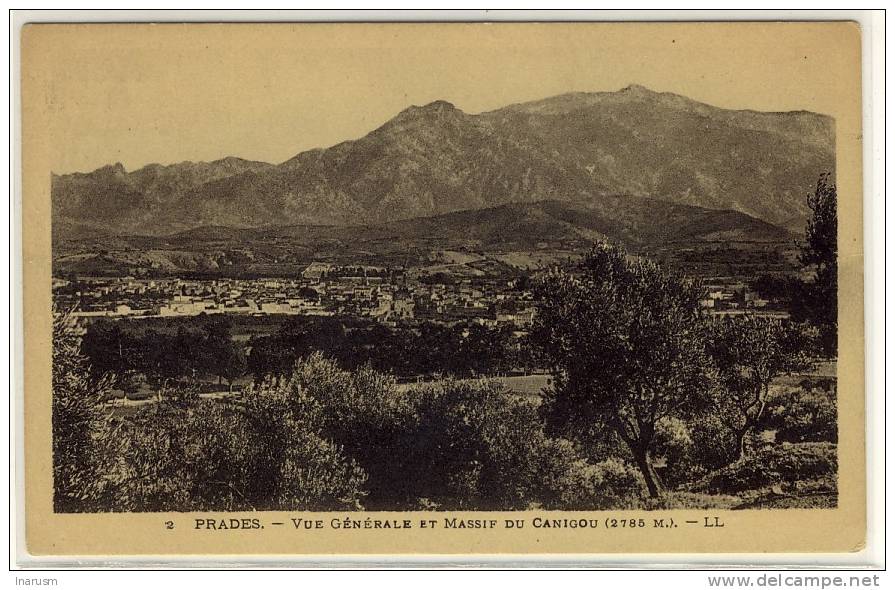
x=611 y=483
x=189 y=454
x=805 y=414
x=78 y=421
x=363 y=412
x=454 y=445
x=569 y=482
x=715 y=442
x=489 y=451
x=295 y=467
x=481 y=447
x=786 y=463
x=674 y=443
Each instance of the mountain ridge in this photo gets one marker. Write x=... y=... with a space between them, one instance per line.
x=434 y=159
x=538 y=228
x=638 y=218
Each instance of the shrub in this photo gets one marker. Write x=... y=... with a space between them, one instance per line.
x=785 y=463
x=566 y=481
x=146 y=469
x=189 y=454
x=805 y=414
x=576 y=484
x=674 y=443
x=616 y=484
x=480 y=446
x=488 y=450
x=364 y=412
x=294 y=467
x=715 y=441
x=78 y=421
x=454 y=445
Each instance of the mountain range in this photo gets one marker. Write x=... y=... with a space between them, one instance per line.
x=589 y=149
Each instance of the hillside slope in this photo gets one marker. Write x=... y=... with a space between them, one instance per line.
x=636 y=222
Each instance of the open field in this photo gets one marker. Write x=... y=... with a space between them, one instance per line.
x=527 y=386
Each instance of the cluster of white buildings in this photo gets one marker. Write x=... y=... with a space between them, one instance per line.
x=737 y=298
x=390 y=298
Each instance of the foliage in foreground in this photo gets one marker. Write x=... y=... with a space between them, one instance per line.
x=329 y=439
x=785 y=466
x=185 y=453
x=78 y=420
x=626 y=342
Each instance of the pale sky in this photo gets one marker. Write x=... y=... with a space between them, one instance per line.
x=138 y=94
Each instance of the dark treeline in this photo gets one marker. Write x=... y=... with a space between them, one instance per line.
x=193 y=350
x=459 y=350
x=204 y=347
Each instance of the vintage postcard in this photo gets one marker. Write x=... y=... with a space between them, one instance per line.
x=453 y=288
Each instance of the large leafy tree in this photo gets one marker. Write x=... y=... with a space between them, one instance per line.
x=626 y=343
x=751 y=352
x=169 y=358
x=269 y=357
x=231 y=363
x=221 y=355
x=110 y=350
x=817 y=298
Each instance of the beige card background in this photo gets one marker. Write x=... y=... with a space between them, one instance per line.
x=91 y=95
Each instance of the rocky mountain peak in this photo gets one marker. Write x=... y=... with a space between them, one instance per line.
x=637 y=89
x=116 y=169
x=435 y=159
x=437 y=108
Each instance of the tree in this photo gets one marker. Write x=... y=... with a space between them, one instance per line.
x=167 y=358
x=817 y=298
x=109 y=350
x=625 y=341
x=773 y=288
x=78 y=421
x=221 y=356
x=293 y=467
x=750 y=352
x=232 y=364
x=204 y=455
x=436 y=349
x=482 y=351
x=308 y=293
x=269 y=357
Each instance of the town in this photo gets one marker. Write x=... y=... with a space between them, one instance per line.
x=391 y=296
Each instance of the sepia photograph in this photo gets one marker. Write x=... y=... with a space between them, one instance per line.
x=594 y=300
x=447 y=269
